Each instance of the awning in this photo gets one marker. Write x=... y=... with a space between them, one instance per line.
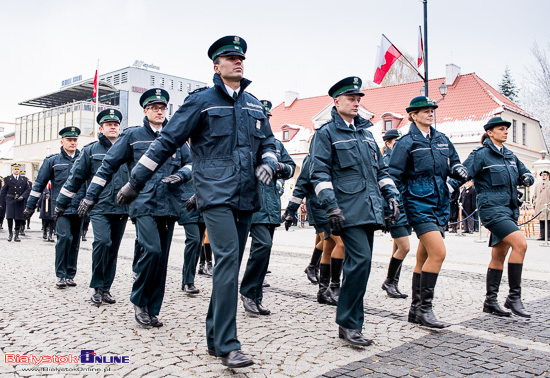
x=80 y=92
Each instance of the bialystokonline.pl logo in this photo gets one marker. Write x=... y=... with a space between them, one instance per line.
x=87 y=356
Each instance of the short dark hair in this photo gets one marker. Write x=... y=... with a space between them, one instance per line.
x=217 y=60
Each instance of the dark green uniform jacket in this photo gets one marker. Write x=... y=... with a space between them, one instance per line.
x=84 y=169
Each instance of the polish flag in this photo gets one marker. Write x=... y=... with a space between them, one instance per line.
x=420 y=47
x=387 y=55
x=95 y=83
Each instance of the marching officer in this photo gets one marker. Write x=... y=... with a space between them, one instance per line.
x=351 y=182
x=156 y=210
x=2 y=206
x=46 y=213
x=262 y=228
x=14 y=192
x=108 y=219
x=56 y=168
x=232 y=147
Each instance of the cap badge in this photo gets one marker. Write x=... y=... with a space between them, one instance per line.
x=355 y=80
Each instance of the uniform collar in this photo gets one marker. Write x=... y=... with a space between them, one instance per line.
x=218 y=82
x=489 y=144
x=358 y=121
x=104 y=140
x=149 y=128
x=66 y=155
x=413 y=129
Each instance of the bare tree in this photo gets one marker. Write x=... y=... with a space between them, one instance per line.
x=536 y=88
x=401 y=72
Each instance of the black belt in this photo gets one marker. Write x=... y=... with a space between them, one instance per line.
x=13 y=195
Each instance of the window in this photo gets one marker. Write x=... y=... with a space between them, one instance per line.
x=162 y=82
x=524 y=134
x=108 y=80
x=171 y=84
x=124 y=77
x=116 y=79
x=170 y=110
x=514 y=132
x=188 y=87
x=387 y=124
x=152 y=81
x=180 y=86
x=285 y=135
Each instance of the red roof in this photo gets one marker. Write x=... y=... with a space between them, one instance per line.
x=469 y=98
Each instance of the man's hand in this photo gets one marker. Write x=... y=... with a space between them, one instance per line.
x=264 y=174
x=27 y=213
x=526 y=179
x=280 y=167
x=84 y=207
x=172 y=179
x=57 y=212
x=287 y=219
x=191 y=203
x=126 y=194
x=336 y=220
x=462 y=173
x=388 y=222
x=393 y=204
x=20 y=199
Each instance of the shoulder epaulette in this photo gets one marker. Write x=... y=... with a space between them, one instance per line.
x=324 y=124
x=89 y=144
x=478 y=148
x=252 y=95
x=52 y=155
x=198 y=90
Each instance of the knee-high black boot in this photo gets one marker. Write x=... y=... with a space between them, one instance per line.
x=415 y=296
x=424 y=314
x=491 y=305
x=392 y=279
x=513 y=302
x=542 y=230
x=208 y=255
x=324 y=281
x=335 y=273
x=312 y=267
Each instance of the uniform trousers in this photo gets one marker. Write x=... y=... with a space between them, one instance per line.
x=67 y=229
x=358 y=241
x=258 y=261
x=227 y=230
x=194 y=233
x=154 y=236
x=108 y=232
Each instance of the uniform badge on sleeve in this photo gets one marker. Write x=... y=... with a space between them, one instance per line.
x=258 y=124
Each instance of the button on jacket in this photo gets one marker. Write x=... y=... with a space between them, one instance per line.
x=348 y=171
x=84 y=168
x=229 y=138
x=156 y=198
x=421 y=166
x=270 y=213
x=496 y=177
x=56 y=168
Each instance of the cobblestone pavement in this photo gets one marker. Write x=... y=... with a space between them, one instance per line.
x=298 y=339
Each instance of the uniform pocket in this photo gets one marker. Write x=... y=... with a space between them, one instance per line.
x=498 y=177
x=216 y=169
x=351 y=184
x=220 y=120
x=346 y=152
x=422 y=187
x=422 y=159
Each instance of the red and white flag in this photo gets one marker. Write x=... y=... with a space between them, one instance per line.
x=95 y=83
x=420 y=47
x=387 y=55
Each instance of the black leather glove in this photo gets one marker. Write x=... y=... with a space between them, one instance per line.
x=280 y=167
x=388 y=223
x=191 y=203
x=27 y=213
x=126 y=194
x=336 y=220
x=287 y=220
x=84 y=207
x=172 y=179
x=526 y=180
x=20 y=199
x=394 y=207
x=264 y=174
x=57 y=212
x=462 y=173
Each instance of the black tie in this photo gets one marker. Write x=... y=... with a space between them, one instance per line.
x=235 y=96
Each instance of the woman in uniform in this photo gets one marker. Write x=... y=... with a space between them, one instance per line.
x=497 y=172
x=400 y=230
x=420 y=163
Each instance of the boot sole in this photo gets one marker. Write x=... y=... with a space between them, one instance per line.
x=527 y=316
x=497 y=313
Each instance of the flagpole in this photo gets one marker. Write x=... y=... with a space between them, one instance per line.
x=96 y=109
x=404 y=57
x=425 y=47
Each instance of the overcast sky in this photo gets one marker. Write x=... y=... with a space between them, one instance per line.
x=299 y=45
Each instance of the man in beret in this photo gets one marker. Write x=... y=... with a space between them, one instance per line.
x=56 y=168
x=13 y=194
x=352 y=183
x=157 y=208
x=233 y=150
x=108 y=218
